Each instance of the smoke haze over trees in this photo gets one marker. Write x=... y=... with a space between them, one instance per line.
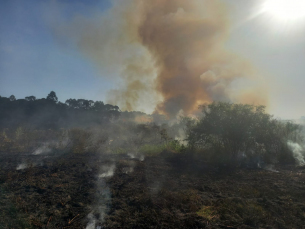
x=48 y=112
x=224 y=133
x=242 y=133
x=95 y=159
x=207 y=153
x=170 y=53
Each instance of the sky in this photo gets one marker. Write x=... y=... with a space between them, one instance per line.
x=33 y=61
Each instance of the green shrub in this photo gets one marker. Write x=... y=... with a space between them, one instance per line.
x=241 y=133
x=151 y=149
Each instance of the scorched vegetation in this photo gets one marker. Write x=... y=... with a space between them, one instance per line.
x=87 y=164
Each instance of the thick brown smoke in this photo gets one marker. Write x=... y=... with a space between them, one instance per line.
x=169 y=54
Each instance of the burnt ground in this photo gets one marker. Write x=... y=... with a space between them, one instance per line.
x=165 y=191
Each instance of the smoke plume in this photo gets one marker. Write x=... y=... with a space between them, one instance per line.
x=167 y=54
x=297 y=152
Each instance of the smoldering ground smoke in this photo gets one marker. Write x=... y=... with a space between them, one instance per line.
x=166 y=54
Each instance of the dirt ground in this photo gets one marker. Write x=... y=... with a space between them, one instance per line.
x=165 y=191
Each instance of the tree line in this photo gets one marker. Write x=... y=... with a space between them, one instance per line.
x=224 y=134
x=50 y=113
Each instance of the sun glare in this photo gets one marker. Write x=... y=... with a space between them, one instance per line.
x=285 y=10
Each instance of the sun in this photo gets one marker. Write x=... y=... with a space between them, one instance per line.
x=285 y=10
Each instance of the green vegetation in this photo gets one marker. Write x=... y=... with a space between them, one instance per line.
x=225 y=133
x=151 y=149
x=49 y=113
x=180 y=181
x=241 y=134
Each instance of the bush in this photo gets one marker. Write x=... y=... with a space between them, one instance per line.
x=241 y=133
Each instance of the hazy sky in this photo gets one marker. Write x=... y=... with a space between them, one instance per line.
x=34 y=62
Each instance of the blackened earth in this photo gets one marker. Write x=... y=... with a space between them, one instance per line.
x=165 y=191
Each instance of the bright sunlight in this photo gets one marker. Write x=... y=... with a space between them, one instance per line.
x=285 y=10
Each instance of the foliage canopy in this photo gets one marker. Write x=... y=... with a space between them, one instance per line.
x=231 y=133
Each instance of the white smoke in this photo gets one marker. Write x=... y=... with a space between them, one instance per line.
x=47 y=147
x=22 y=166
x=138 y=156
x=107 y=171
x=129 y=168
x=181 y=136
x=103 y=198
x=270 y=168
x=28 y=164
x=44 y=149
x=297 y=151
x=92 y=221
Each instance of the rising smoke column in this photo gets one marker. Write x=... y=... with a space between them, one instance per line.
x=187 y=38
x=169 y=54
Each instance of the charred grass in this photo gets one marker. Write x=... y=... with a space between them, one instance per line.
x=168 y=190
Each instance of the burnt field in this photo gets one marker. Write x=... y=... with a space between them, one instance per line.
x=168 y=190
x=168 y=114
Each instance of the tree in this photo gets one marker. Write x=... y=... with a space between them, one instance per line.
x=52 y=97
x=98 y=106
x=12 y=98
x=234 y=132
x=30 y=98
x=71 y=103
x=84 y=104
x=109 y=107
